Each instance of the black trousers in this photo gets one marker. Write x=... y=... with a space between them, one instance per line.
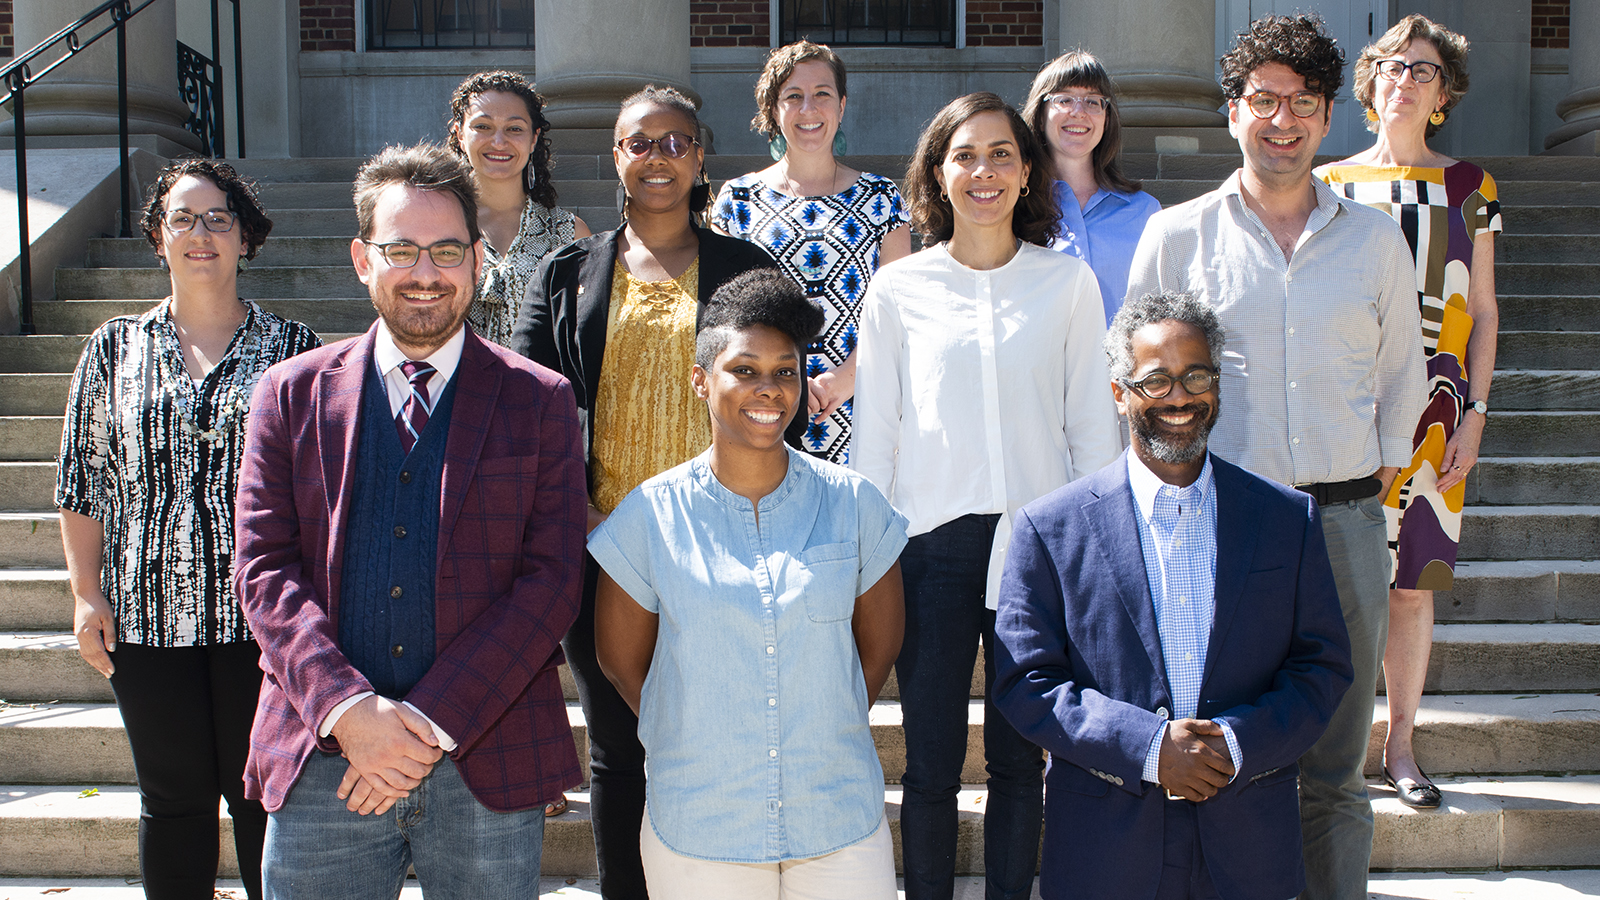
x=188 y=711
x=616 y=758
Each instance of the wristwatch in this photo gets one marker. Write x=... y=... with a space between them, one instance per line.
x=1481 y=407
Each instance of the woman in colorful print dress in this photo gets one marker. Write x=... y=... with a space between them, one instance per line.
x=149 y=463
x=497 y=122
x=1408 y=81
x=828 y=225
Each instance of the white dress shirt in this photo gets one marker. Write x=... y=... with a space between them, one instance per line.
x=387 y=359
x=980 y=391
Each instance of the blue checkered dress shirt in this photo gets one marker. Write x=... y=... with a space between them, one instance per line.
x=1178 y=535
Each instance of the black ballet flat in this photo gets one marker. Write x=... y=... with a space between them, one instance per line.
x=1417 y=795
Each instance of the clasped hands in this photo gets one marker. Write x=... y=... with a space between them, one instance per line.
x=390 y=747
x=1195 y=762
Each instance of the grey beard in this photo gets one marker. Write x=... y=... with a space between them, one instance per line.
x=1170 y=451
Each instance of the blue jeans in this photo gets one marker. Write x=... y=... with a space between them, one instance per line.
x=1335 y=815
x=462 y=851
x=945 y=573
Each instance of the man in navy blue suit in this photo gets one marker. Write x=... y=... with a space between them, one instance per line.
x=1170 y=631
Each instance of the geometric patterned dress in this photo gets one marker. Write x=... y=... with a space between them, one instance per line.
x=829 y=245
x=1442 y=211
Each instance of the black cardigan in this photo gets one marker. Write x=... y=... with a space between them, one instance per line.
x=562 y=321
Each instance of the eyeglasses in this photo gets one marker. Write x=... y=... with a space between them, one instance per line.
x=1422 y=71
x=217 y=221
x=1093 y=105
x=673 y=144
x=1159 y=384
x=404 y=254
x=1264 y=104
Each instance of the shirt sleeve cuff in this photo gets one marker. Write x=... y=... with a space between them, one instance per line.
x=332 y=718
x=1233 y=749
x=1152 y=757
x=447 y=743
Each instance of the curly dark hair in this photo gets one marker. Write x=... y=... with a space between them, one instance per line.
x=780 y=65
x=1452 y=50
x=1300 y=42
x=1079 y=68
x=544 y=191
x=1159 y=306
x=673 y=99
x=1035 y=218
x=757 y=297
x=242 y=202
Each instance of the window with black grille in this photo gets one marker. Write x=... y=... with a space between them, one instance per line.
x=448 y=24
x=904 y=23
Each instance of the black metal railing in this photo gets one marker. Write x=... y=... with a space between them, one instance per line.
x=900 y=23
x=200 y=83
x=238 y=75
x=17 y=76
x=448 y=24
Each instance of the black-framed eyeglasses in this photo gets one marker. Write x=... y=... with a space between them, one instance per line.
x=1094 y=105
x=1422 y=71
x=404 y=254
x=216 y=221
x=673 y=144
x=1159 y=384
x=1264 y=104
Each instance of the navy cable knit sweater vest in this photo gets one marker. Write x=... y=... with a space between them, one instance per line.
x=386 y=605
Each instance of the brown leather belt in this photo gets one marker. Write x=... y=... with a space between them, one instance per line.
x=1341 y=491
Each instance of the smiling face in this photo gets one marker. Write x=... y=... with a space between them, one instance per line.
x=1278 y=150
x=752 y=390
x=809 y=107
x=983 y=173
x=1169 y=434
x=1405 y=104
x=1075 y=133
x=423 y=306
x=656 y=183
x=199 y=255
x=497 y=133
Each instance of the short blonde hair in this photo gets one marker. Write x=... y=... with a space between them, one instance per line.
x=780 y=65
x=1452 y=50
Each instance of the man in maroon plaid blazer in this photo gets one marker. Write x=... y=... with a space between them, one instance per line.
x=410 y=546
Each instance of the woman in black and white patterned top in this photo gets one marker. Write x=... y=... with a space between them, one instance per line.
x=497 y=122
x=149 y=459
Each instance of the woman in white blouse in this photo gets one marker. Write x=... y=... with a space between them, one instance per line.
x=980 y=387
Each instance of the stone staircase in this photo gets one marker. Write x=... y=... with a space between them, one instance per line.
x=1510 y=725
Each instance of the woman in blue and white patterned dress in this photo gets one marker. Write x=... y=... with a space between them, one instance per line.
x=828 y=225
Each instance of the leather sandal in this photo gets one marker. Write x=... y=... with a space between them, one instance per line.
x=1415 y=794
x=551 y=810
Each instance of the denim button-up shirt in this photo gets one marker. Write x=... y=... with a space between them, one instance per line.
x=754 y=713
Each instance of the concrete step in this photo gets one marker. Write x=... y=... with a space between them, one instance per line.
x=36 y=438
x=1547 y=312
x=30 y=539
x=43 y=665
x=1538 y=389
x=1546 y=248
x=1555 y=217
x=1498 y=734
x=288 y=223
x=1513 y=480
x=1550 y=349
x=307 y=168
x=1542 y=433
x=58 y=353
x=1491 y=824
x=35 y=599
x=1566 y=278
x=277 y=251
x=33 y=394
x=27 y=486
x=331 y=314
x=1473 y=658
x=1530 y=532
x=1521 y=590
x=1517 y=194
x=292 y=281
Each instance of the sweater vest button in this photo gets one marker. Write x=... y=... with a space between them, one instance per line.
x=397 y=651
x=399 y=531
x=395 y=592
x=405 y=477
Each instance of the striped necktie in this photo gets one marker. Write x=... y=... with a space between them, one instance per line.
x=413 y=415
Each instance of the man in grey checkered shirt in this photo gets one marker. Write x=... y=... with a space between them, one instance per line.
x=1323 y=368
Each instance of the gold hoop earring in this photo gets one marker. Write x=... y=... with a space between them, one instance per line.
x=1437 y=118
x=1023 y=192
x=1372 y=115
x=943 y=196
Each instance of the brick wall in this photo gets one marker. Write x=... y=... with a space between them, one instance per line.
x=1005 y=23
x=328 y=24
x=7 y=41
x=1551 y=20
x=729 y=23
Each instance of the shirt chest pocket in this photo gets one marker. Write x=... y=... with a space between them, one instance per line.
x=827 y=576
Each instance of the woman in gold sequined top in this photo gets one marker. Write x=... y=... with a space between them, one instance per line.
x=616 y=313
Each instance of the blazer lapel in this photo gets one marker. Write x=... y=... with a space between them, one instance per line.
x=593 y=305
x=477 y=395
x=1112 y=517
x=337 y=427
x=1238 y=525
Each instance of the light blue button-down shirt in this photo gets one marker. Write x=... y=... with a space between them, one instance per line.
x=1104 y=233
x=754 y=713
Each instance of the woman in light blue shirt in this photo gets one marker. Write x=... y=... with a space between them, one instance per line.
x=1073 y=111
x=749 y=610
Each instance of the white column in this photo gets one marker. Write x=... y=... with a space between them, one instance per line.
x=1580 y=108
x=1162 y=56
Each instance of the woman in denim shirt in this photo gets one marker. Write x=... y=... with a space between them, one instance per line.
x=749 y=610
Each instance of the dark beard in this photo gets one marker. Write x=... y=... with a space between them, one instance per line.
x=1167 y=449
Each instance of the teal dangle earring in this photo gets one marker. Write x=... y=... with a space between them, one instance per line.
x=777 y=146
x=840 y=147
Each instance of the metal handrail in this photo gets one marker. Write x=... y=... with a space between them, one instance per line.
x=16 y=76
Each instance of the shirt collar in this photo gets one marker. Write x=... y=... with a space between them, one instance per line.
x=1146 y=483
x=1328 y=202
x=700 y=468
x=387 y=357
